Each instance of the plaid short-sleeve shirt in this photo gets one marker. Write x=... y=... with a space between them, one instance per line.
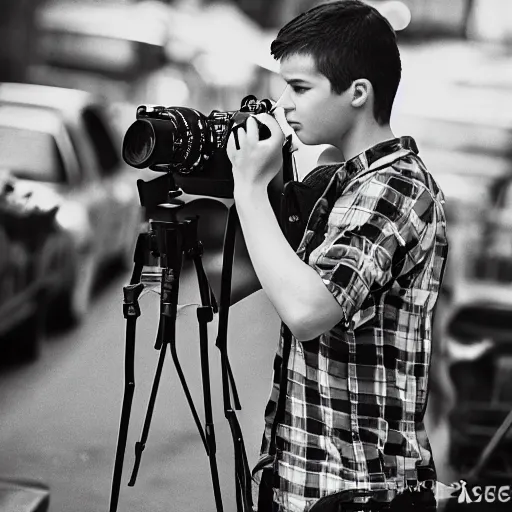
x=351 y=413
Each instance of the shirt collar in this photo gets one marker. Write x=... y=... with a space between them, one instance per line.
x=367 y=158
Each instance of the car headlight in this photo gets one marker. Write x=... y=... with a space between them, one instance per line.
x=73 y=218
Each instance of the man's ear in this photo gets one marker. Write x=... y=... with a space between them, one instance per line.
x=361 y=90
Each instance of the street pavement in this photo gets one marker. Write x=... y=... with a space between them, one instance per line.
x=60 y=415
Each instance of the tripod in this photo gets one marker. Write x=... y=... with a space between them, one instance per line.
x=172 y=241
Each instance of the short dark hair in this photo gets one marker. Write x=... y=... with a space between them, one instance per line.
x=348 y=39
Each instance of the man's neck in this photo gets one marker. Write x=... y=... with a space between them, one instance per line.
x=363 y=137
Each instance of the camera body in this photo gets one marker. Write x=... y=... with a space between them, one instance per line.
x=189 y=144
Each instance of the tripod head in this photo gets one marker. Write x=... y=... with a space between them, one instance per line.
x=172 y=239
x=159 y=196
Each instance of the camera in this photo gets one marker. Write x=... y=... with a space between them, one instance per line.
x=189 y=144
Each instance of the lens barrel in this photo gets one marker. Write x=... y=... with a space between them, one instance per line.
x=148 y=142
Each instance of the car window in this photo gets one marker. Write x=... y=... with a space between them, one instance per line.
x=31 y=154
x=101 y=139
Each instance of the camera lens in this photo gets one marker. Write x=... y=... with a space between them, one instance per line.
x=139 y=144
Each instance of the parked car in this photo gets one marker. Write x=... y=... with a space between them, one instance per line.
x=60 y=141
x=33 y=252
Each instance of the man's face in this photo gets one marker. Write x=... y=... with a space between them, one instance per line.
x=316 y=113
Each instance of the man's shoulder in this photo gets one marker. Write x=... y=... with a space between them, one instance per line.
x=392 y=190
x=408 y=175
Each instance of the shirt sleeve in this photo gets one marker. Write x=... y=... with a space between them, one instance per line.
x=372 y=227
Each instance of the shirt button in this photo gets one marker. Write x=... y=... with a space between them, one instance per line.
x=293 y=218
x=355 y=436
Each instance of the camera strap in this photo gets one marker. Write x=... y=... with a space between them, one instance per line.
x=242 y=473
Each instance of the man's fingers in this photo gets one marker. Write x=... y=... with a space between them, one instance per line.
x=272 y=124
x=252 y=129
x=239 y=137
x=230 y=146
x=280 y=117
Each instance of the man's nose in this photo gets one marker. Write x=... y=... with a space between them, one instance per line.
x=284 y=100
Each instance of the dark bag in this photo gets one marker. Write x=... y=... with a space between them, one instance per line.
x=298 y=200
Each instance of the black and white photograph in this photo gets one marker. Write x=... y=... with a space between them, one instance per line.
x=255 y=255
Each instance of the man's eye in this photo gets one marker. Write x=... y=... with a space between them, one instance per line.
x=299 y=90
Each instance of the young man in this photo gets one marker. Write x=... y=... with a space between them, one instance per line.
x=350 y=389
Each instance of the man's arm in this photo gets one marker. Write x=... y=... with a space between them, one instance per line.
x=295 y=289
x=366 y=228
x=297 y=292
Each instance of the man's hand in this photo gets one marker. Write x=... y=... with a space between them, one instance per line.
x=257 y=161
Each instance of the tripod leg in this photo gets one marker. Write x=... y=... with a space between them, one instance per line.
x=141 y=248
x=140 y=445
x=170 y=294
x=131 y=312
x=167 y=335
x=190 y=401
x=170 y=247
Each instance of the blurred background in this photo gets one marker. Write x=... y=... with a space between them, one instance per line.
x=72 y=73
